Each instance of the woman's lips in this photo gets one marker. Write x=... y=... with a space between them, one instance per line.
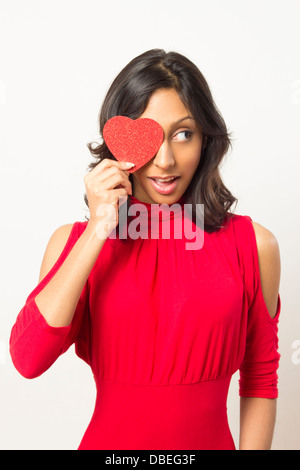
x=166 y=187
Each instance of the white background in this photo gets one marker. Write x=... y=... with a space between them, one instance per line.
x=57 y=61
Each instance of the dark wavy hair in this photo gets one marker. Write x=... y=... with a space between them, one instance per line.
x=129 y=95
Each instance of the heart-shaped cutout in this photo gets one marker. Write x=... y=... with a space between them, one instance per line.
x=135 y=141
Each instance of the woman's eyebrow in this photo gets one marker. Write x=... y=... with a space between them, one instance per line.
x=183 y=119
x=177 y=122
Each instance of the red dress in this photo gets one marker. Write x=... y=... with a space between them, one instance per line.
x=163 y=329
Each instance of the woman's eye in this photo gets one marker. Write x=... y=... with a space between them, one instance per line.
x=184 y=132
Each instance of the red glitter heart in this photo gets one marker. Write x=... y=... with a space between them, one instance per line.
x=133 y=141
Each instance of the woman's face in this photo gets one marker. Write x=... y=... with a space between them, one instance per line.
x=179 y=154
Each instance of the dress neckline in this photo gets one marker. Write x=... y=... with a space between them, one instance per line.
x=155 y=217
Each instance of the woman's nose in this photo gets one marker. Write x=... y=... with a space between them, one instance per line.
x=164 y=157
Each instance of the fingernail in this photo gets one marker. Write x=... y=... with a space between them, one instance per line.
x=129 y=164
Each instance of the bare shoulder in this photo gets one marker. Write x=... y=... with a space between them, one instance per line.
x=54 y=248
x=269 y=265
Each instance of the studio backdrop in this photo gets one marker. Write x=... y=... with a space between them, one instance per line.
x=57 y=61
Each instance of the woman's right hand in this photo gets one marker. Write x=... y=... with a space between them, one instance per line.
x=108 y=181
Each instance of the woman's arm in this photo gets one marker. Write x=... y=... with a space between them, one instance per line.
x=39 y=337
x=257 y=422
x=58 y=299
x=257 y=415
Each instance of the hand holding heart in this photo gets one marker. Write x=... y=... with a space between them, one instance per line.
x=133 y=141
x=129 y=141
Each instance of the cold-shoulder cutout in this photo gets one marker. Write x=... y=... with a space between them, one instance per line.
x=54 y=248
x=268 y=268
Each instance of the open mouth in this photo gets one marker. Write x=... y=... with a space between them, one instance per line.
x=164 y=186
x=165 y=181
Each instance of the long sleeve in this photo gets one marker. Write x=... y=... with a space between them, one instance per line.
x=258 y=370
x=34 y=344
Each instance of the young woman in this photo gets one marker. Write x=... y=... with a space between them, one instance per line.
x=162 y=327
